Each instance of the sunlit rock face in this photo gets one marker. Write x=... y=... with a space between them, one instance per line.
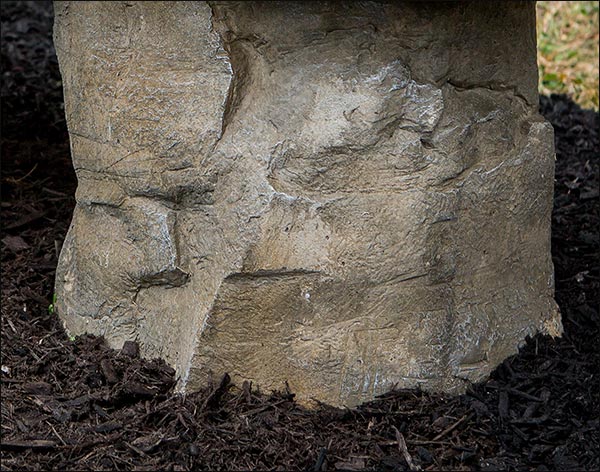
x=344 y=196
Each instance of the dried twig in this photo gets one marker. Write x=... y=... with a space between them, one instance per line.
x=451 y=427
x=31 y=444
x=404 y=450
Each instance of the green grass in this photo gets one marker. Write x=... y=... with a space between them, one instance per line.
x=567 y=35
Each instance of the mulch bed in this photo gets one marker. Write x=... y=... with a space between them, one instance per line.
x=76 y=404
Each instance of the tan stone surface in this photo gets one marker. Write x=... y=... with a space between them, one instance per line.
x=345 y=197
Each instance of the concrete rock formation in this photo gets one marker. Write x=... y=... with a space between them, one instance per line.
x=346 y=196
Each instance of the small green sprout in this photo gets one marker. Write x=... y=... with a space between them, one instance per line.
x=52 y=305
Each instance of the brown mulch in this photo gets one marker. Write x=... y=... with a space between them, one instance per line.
x=77 y=405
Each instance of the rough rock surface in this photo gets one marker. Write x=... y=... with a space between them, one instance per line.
x=346 y=197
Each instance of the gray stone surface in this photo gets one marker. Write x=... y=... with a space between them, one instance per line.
x=343 y=196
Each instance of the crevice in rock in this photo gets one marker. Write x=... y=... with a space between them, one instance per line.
x=170 y=278
x=489 y=86
x=265 y=274
x=239 y=51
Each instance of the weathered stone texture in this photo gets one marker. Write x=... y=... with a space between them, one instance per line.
x=344 y=196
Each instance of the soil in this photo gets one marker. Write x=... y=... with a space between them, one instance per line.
x=74 y=404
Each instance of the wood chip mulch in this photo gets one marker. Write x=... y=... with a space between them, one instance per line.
x=78 y=405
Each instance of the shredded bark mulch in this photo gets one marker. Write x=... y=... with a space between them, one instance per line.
x=74 y=404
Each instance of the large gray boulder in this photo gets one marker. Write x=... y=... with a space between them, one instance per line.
x=347 y=196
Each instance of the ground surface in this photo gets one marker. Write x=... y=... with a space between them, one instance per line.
x=568 y=48
x=75 y=404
